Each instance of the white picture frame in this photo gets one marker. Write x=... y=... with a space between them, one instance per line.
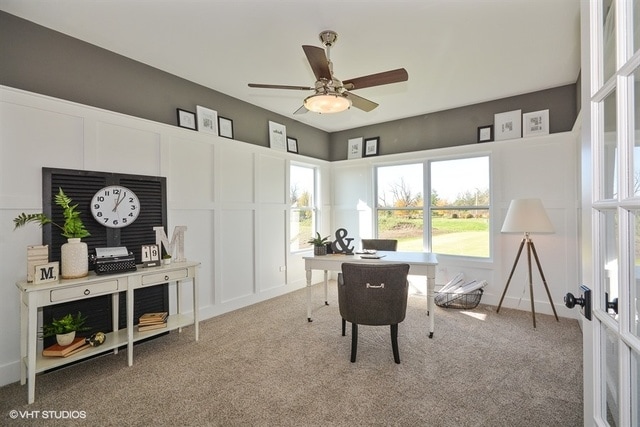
x=277 y=136
x=207 y=120
x=508 y=125
x=535 y=123
x=354 y=148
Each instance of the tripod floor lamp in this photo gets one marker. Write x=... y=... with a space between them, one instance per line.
x=527 y=216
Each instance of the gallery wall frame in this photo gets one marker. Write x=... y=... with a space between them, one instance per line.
x=354 y=148
x=207 y=120
x=225 y=127
x=292 y=145
x=371 y=147
x=508 y=125
x=485 y=133
x=186 y=119
x=535 y=123
x=277 y=136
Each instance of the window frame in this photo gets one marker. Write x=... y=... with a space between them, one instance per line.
x=313 y=208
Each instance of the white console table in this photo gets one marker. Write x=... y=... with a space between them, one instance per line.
x=34 y=297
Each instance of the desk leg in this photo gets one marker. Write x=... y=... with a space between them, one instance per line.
x=326 y=285
x=309 y=295
x=196 y=317
x=431 y=288
x=130 y=325
x=32 y=341
x=179 y=300
x=115 y=314
x=24 y=322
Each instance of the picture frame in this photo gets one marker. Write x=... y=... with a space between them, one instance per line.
x=207 y=120
x=187 y=119
x=225 y=127
x=485 y=133
x=292 y=145
x=508 y=125
x=535 y=123
x=277 y=136
x=354 y=148
x=371 y=146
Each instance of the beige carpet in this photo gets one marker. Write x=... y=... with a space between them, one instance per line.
x=265 y=365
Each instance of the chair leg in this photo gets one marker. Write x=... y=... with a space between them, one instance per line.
x=354 y=341
x=344 y=327
x=394 y=343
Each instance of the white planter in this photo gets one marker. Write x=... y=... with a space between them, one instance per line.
x=166 y=261
x=75 y=259
x=65 y=339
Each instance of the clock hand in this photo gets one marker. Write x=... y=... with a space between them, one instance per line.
x=118 y=201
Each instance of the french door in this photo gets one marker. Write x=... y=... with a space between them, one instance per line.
x=612 y=215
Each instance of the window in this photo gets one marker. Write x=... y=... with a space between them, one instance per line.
x=399 y=208
x=460 y=207
x=303 y=207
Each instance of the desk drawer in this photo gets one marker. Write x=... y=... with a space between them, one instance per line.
x=168 y=276
x=86 y=291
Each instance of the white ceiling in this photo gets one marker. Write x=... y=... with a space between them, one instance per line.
x=457 y=52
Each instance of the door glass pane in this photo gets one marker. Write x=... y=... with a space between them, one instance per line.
x=609 y=154
x=609 y=39
x=635 y=389
x=634 y=299
x=609 y=242
x=609 y=346
x=636 y=25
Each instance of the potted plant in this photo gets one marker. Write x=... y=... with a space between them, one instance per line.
x=319 y=244
x=65 y=329
x=166 y=259
x=74 y=254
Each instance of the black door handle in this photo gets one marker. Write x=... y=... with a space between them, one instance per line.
x=584 y=301
x=613 y=304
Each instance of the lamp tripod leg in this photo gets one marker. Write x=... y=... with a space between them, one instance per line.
x=513 y=269
x=533 y=309
x=544 y=280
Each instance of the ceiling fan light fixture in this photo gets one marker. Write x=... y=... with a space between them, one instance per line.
x=327 y=103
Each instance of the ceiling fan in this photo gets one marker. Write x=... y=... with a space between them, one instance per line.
x=331 y=94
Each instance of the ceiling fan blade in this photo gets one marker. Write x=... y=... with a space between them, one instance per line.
x=384 y=78
x=301 y=110
x=318 y=61
x=280 y=87
x=360 y=102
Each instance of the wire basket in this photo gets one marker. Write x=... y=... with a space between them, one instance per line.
x=466 y=301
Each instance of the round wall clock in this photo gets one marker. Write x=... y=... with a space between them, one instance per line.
x=115 y=206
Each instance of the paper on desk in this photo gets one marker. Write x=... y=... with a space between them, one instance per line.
x=112 y=252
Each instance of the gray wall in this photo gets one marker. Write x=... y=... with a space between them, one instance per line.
x=40 y=60
x=37 y=59
x=459 y=126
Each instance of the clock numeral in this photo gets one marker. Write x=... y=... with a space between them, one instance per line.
x=115 y=222
x=100 y=199
x=106 y=220
x=99 y=214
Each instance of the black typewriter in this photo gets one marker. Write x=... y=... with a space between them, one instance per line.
x=113 y=260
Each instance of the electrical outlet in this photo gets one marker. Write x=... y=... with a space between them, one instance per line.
x=282 y=268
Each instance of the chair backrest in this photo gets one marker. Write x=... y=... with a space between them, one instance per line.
x=380 y=244
x=373 y=294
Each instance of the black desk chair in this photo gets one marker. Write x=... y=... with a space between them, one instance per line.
x=380 y=244
x=373 y=294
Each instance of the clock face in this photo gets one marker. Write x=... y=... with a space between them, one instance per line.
x=115 y=206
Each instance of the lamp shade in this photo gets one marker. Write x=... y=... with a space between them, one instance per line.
x=527 y=216
x=327 y=103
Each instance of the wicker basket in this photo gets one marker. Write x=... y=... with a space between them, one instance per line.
x=463 y=301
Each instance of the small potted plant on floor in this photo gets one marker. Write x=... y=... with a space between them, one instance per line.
x=319 y=244
x=65 y=329
x=74 y=253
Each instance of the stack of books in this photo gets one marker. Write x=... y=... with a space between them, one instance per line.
x=57 y=350
x=149 y=321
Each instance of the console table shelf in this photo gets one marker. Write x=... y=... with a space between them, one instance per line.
x=34 y=297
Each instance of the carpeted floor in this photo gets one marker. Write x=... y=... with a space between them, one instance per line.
x=265 y=365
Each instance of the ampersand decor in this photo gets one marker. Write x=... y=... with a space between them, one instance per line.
x=342 y=244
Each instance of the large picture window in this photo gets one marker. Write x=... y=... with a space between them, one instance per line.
x=303 y=207
x=399 y=208
x=459 y=208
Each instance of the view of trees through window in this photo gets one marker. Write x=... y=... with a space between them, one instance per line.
x=458 y=206
x=301 y=194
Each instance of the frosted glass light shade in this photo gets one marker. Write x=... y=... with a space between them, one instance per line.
x=527 y=216
x=322 y=103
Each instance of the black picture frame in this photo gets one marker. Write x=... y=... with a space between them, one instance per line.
x=225 y=127
x=485 y=133
x=292 y=145
x=371 y=146
x=187 y=119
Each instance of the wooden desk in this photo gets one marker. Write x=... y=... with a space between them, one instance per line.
x=420 y=264
x=34 y=297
